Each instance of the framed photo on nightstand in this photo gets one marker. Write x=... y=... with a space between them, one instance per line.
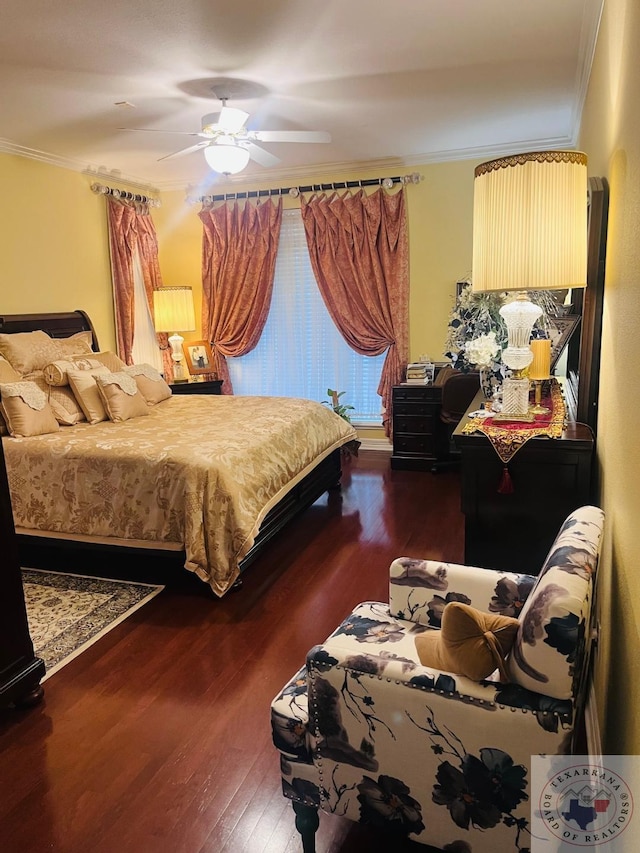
x=198 y=357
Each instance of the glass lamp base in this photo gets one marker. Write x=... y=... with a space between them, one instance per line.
x=515 y=401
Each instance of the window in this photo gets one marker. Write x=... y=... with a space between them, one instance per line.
x=301 y=353
x=145 y=348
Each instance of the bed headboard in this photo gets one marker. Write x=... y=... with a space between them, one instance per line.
x=60 y=325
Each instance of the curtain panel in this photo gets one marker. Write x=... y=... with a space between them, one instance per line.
x=239 y=248
x=359 y=251
x=131 y=230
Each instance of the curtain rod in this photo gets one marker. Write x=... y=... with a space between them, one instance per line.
x=294 y=192
x=101 y=189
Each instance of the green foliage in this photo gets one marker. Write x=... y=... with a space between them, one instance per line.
x=339 y=408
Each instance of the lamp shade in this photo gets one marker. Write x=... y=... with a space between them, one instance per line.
x=226 y=158
x=530 y=222
x=173 y=309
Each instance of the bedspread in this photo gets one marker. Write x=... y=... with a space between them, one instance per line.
x=199 y=472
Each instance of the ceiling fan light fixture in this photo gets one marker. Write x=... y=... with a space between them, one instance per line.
x=226 y=158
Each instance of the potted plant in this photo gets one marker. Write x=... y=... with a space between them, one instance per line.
x=342 y=409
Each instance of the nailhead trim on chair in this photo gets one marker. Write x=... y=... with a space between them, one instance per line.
x=474 y=700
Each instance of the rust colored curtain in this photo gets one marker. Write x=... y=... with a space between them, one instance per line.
x=239 y=247
x=131 y=229
x=360 y=257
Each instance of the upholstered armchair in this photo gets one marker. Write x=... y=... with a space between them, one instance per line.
x=366 y=731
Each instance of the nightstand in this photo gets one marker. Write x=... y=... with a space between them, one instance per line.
x=212 y=386
x=416 y=426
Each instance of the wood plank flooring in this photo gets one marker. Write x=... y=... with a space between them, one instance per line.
x=157 y=738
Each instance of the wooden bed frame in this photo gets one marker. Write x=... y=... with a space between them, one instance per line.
x=135 y=563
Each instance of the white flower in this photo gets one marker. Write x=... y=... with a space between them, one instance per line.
x=482 y=351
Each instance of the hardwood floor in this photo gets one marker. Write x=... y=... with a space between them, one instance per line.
x=157 y=738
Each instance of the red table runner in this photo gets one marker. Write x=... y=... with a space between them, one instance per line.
x=507 y=437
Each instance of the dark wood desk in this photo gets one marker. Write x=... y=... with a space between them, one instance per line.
x=551 y=477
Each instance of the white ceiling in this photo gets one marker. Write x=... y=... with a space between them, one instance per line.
x=395 y=82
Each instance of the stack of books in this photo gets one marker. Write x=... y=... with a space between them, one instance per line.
x=419 y=373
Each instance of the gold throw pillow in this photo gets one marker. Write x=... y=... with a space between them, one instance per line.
x=469 y=642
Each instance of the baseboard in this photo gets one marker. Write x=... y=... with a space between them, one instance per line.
x=382 y=445
x=592 y=725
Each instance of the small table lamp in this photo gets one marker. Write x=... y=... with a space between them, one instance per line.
x=173 y=310
x=529 y=233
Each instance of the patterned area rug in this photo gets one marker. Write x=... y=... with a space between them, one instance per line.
x=68 y=613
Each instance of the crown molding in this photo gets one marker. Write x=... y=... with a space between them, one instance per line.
x=98 y=172
x=586 y=52
x=293 y=176
x=483 y=152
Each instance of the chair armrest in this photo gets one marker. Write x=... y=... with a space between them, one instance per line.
x=419 y=589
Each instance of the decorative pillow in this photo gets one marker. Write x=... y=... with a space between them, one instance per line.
x=29 y=351
x=76 y=345
x=150 y=383
x=110 y=360
x=547 y=650
x=61 y=399
x=7 y=374
x=469 y=643
x=55 y=373
x=26 y=410
x=120 y=396
x=85 y=390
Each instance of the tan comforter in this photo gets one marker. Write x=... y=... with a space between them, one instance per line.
x=198 y=471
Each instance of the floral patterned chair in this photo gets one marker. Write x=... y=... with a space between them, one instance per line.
x=365 y=731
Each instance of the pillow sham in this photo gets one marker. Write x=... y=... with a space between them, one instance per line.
x=61 y=399
x=120 y=396
x=29 y=351
x=110 y=360
x=469 y=642
x=7 y=374
x=26 y=410
x=85 y=390
x=150 y=383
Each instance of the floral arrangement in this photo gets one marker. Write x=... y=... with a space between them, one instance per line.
x=477 y=333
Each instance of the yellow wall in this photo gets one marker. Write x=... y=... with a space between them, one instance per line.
x=611 y=138
x=54 y=244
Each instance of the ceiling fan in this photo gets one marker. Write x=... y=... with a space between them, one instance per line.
x=228 y=144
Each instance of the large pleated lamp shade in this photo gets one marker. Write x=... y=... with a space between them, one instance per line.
x=529 y=233
x=530 y=222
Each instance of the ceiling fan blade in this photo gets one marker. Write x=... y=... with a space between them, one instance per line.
x=184 y=151
x=264 y=158
x=290 y=135
x=231 y=119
